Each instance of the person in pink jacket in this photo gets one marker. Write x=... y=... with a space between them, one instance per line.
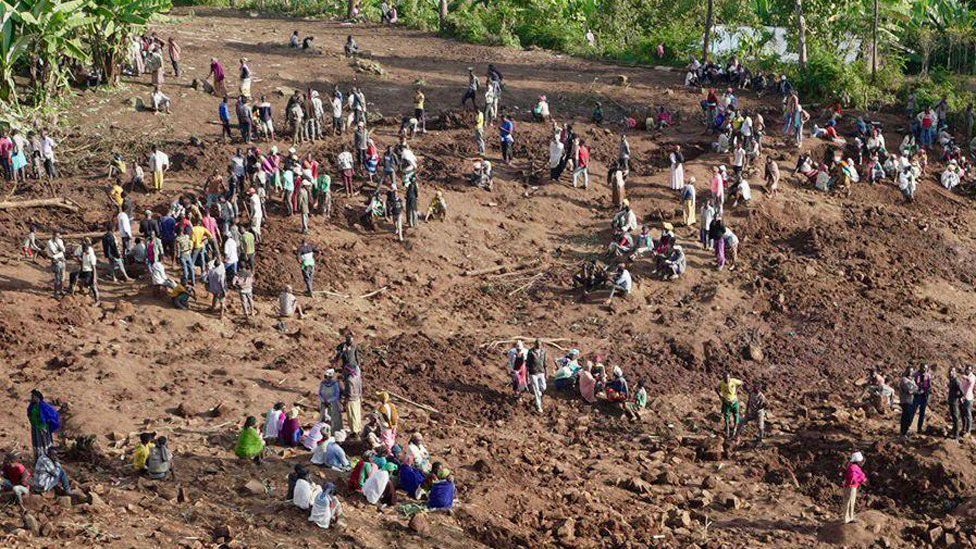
x=853 y=478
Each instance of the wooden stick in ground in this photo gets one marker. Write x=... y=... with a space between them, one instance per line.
x=513 y=339
x=333 y=294
x=40 y=203
x=499 y=268
x=427 y=408
x=374 y=292
x=525 y=286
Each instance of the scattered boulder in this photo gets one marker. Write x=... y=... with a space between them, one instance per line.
x=621 y=80
x=566 y=532
x=732 y=502
x=31 y=524
x=755 y=353
x=419 y=524
x=368 y=66
x=223 y=532
x=255 y=487
x=668 y=478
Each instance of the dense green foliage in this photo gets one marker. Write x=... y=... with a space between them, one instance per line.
x=44 y=40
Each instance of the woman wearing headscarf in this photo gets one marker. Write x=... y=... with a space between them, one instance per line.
x=44 y=421
x=389 y=411
x=377 y=487
x=587 y=383
x=330 y=400
x=440 y=484
x=326 y=507
x=854 y=477
x=617 y=390
x=250 y=444
x=291 y=429
x=330 y=453
x=316 y=434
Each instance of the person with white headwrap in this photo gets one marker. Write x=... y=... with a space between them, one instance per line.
x=854 y=477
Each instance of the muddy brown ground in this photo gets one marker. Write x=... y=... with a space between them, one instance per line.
x=827 y=287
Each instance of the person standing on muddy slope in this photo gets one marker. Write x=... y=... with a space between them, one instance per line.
x=954 y=396
x=923 y=380
x=506 y=131
x=472 y=90
x=217 y=71
x=907 y=389
x=727 y=390
x=517 y=356
x=55 y=252
x=536 y=364
x=623 y=155
x=968 y=382
x=854 y=477
x=306 y=260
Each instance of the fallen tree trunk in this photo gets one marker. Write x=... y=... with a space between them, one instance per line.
x=498 y=268
x=427 y=408
x=547 y=341
x=40 y=203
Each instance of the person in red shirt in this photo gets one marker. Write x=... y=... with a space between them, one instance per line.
x=15 y=475
x=6 y=156
x=582 y=165
x=853 y=478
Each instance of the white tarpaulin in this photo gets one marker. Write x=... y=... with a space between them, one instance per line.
x=728 y=40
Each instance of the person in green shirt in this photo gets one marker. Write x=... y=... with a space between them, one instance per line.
x=727 y=390
x=250 y=444
x=635 y=406
x=323 y=194
x=248 y=247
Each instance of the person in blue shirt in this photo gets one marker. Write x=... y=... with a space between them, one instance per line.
x=224 y=111
x=506 y=131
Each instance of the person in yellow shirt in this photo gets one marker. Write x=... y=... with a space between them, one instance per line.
x=418 y=110
x=141 y=453
x=199 y=236
x=727 y=390
x=116 y=194
x=479 y=132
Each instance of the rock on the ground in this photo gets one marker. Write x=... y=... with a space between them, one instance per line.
x=419 y=524
x=255 y=488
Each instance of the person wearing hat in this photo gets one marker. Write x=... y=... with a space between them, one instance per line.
x=688 y=196
x=330 y=399
x=854 y=477
x=472 y=90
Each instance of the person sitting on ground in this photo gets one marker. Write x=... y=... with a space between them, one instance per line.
x=587 y=383
x=634 y=407
x=250 y=444
x=675 y=265
x=319 y=432
x=440 y=487
x=307 y=42
x=540 y=113
x=159 y=464
x=743 y=192
x=14 y=476
x=952 y=175
x=625 y=220
x=568 y=369
x=828 y=134
x=482 y=176
x=664 y=119
x=49 y=474
x=291 y=429
x=179 y=294
x=304 y=491
x=437 y=208
x=326 y=507
x=141 y=453
x=644 y=243
x=288 y=304
x=416 y=453
x=597 y=115
x=298 y=471
x=329 y=452
x=622 y=282
x=617 y=388
x=294 y=42
x=274 y=420
x=350 y=48
x=622 y=246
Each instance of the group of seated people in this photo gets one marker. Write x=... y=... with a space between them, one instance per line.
x=734 y=74
x=593 y=383
x=669 y=257
x=385 y=466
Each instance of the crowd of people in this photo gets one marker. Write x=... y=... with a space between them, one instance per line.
x=213 y=236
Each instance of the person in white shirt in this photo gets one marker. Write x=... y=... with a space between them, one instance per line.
x=230 y=256
x=55 y=251
x=621 y=283
x=257 y=215
x=47 y=153
x=738 y=159
x=742 y=192
x=408 y=163
x=305 y=493
x=158 y=163
x=556 y=149
x=160 y=101
x=125 y=230
x=88 y=274
x=337 y=114
x=345 y=164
